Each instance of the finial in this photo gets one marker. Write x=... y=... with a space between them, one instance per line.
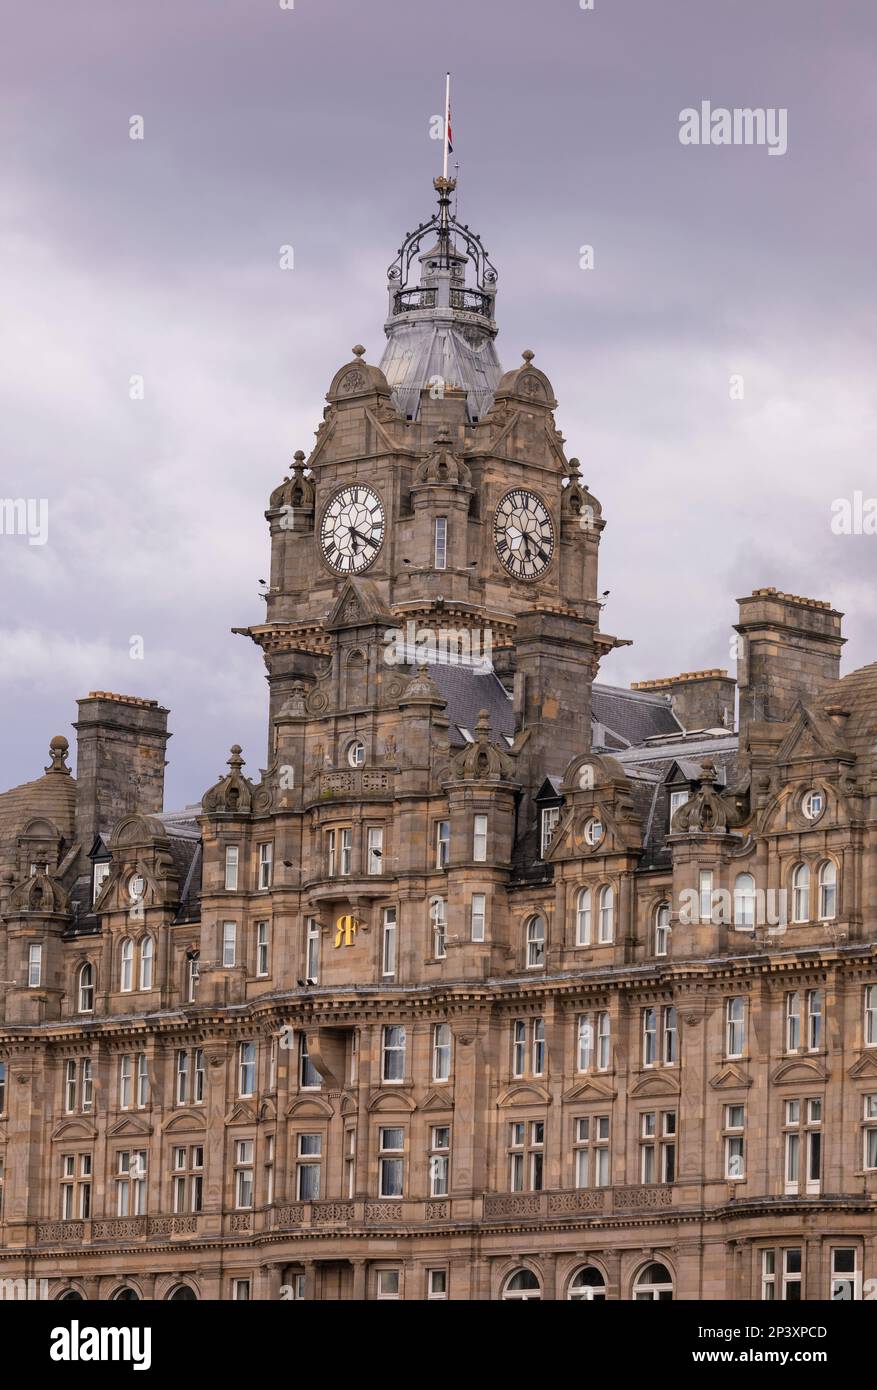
x=528 y=355
x=58 y=749
x=358 y=350
x=298 y=461
x=235 y=760
x=482 y=725
x=574 y=470
x=708 y=771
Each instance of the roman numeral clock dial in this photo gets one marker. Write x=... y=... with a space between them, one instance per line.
x=352 y=531
x=523 y=534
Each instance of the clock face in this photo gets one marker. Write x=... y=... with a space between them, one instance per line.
x=523 y=534
x=353 y=529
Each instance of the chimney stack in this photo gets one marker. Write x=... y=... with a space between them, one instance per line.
x=699 y=699
x=120 y=762
x=789 y=648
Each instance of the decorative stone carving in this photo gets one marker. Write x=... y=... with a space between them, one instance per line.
x=482 y=760
x=325 y=1213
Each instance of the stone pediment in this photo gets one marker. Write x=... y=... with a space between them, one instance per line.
x=594 y=1088
x=187 y=1120
x=658 y=1083
x=69 y=1130
x=310 y=1107
x=438 y=1100
x=524 y=1093
x=358 y=605
x=810 y=736
x=129 y=1126
x=241 y=1115
x=866 y=1066
x=730 y=1078
x=799 y=1071
x=390 y=1100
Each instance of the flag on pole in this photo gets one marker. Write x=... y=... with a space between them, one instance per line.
x=448 y=146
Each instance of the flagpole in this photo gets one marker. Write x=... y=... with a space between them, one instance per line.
x=447 y=119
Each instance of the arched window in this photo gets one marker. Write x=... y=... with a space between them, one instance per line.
x=583 y=918
x=801 y=894
x=146 y=960
x=71 y=1296
x=827 y=890
x=606 y=929
x=182 y=1294
x=587 y=1285
x=662 y=930
x=653 y=1282
x=535 y=942
x=125 y=1295
x=522 y=1285
x=85 y=989
x=744 y=902
x=126 y=969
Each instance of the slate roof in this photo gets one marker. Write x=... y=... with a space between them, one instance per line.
x=857 y=692
x=631 y=715
x=467 y=691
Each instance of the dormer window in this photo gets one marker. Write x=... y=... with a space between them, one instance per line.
x=550 y=818
x=678 y=798
x=100 y=874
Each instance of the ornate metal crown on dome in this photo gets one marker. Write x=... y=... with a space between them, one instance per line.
x=441 y=330
x=445 y=254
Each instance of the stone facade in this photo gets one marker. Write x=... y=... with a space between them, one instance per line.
x=496 y=982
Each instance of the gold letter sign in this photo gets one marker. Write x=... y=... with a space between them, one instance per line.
x=345 y=930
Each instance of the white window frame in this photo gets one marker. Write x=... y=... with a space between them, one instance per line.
x=34 y=965
x=583 y=917
x=232 y=867
x=478 y=917
x=389 y=930
x=735 y=1027
x=147 y=962
x=441 y=1051
x=547 y=825
x=266 y=865
x=606 y=917
x=440 y=543
x=536 y=941
x=375 y=849
x=479 y=839
x=229 y=945
x=263 y=950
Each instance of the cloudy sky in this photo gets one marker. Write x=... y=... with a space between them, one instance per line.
x=267 y=126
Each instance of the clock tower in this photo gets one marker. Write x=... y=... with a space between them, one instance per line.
x=439 y=499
